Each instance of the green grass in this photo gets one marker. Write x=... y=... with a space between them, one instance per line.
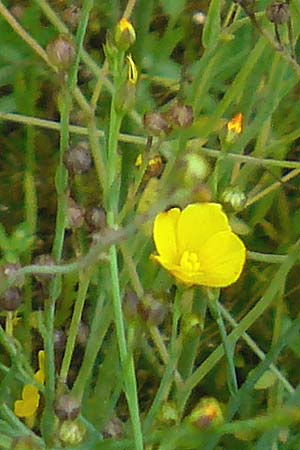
x=140 y=354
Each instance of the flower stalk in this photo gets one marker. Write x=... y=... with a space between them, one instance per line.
x=213 y=296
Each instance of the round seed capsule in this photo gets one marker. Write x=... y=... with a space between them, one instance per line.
x=67 y=407
x=11 y=299
x=78 y=159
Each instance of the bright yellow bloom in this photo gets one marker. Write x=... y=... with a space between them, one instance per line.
x=197 y=246
x=27 y=407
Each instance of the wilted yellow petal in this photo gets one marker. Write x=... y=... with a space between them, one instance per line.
x=197 y=223
x=164 y=232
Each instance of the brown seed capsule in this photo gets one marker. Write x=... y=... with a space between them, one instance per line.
x=96 y=218
x=75 y=215
x=78 y=159
x=82 y=334
x=71 y=16
x=9 y=271
x=130 y=305
x=278 y=12
x=59 y=340
x=43 y=260
x=61 y=52
x=10 y=299
x=180 y=116
x=67 y=407
x=113 y=429
x=153 y=311
x=156 y=124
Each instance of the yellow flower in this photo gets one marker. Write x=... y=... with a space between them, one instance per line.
x=197 y=246
x=236 y=124
x=28 y=405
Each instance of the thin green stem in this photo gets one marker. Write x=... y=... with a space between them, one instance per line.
x=99 y=328
x=87 y=5
x=48 y=423
x=111 y=200
x=84 y=282
x=167 y=378
x=255 y=348
x=213 y=296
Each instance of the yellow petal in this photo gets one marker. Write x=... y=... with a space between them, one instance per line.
x=41 y=357
x=29 y=391
x=39 y=376
x=198 y=222
x=28 y=406
x=164 y=232
x=222 y=260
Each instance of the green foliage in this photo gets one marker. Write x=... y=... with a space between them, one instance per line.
x=140 y=371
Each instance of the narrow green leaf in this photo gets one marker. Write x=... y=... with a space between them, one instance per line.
x=212 y=27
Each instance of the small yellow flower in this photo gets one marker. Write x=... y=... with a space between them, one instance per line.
x=236 y=124
x=197 y=246
x=28 y=405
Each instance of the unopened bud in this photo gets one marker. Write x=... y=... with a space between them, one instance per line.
x=124 y=36
x=278 y=12
x=67 y=407
x=206 y=413
x=61 y=52
x=125 y=97
x=156 y=124
x=11 y=299
x=235 y=197
x=71 y=433
x=78 y=159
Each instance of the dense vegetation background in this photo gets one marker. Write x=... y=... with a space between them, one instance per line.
x=138 y=372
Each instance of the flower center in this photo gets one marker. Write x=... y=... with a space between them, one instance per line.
x=190 y=262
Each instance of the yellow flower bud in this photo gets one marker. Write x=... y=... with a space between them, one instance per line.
x=124 y=34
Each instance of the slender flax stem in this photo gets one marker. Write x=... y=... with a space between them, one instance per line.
x=127 y=360
x=61 y=180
